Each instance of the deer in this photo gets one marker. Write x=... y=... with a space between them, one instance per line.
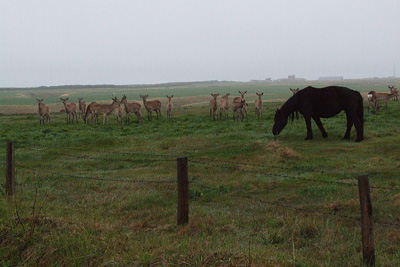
x=259 y=105
x=105 y=109
x=294 y=91
x=224 y=106
x=44 y=112
x=241 y=100
x=373 y=102
x=90 y=110
x=238 y=107
x=213 y=106
x=396 y=93
x=118 y=113
x=82 y=108
x=154 y=105
x=169 y=106
x=131 y=107
x=385 y=97
x=70 y=109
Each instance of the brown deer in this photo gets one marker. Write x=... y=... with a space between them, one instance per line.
x=259 y=105
x=90 y=110
x=373 y=102
x=294 y=91
x=396 y=93
x=118 y=113
x=170 y=106
x=131 y=107
x=154 y=105
x=224 y=106
x=44 y=112
x=238 y=107
x=213 y=105
x=105 y=109
x=70 y=109
x=240 y=101
x=385 y=97
x=82 y=108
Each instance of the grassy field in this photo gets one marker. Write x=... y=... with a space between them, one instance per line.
x=95 y=195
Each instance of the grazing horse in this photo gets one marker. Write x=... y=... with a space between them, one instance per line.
x=325 y=102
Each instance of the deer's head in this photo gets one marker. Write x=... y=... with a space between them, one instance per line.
x=144 y=97
x=294 y=91
x=242 y=93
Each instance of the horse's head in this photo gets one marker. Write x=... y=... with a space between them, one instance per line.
x=280 y=122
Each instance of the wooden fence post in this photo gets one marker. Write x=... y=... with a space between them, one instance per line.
x=183 y=191
x=10 y=178
x=367 y=223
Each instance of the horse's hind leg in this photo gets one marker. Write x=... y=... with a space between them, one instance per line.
x=349 y=125
x=320 y=126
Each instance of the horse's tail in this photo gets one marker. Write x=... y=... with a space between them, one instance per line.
x=360 y=109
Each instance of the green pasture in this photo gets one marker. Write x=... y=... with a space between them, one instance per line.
x=94 y=195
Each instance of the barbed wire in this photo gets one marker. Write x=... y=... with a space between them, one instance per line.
x=332 y=213
x=99 y=158
x=98 y=178
x=111 y=152
x=291 y=176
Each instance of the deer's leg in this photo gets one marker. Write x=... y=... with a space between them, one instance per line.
x=320 y=126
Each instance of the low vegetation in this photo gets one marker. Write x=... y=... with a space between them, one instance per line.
x=93 y=194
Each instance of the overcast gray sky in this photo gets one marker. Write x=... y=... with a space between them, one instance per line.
x=131 y=42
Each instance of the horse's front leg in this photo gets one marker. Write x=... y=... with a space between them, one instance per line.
x=349 y=125
x=307 y=118
x=320 y=126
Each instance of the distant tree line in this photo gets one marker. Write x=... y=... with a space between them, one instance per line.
x=111 y=86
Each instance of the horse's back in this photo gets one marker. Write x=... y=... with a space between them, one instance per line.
x=329 y=101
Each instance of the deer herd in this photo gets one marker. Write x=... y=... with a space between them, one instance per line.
x=218 y=109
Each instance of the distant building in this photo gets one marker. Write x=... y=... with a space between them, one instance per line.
x=291 y=78
x=331 y=78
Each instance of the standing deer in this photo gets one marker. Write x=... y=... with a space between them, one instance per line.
x=241 y=101
x=104 y=109
x=294 y=91
x=154 y=105
x=70 y=109
x=238 y=107
x=373 y=102
x=170 y=106
x=131 y=107
x=90 y=110
x=44 y=112
x=118 y=113
x=224 y=106
x=385 y=97
x=259 y=105
x=396 y=93
x=82 y=108
x=213 y=105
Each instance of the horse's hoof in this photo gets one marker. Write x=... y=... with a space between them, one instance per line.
x=346 y=138
x=308 y=138
x=359 y=139
x=325 y=135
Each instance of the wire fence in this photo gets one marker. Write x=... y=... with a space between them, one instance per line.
x=137 y=158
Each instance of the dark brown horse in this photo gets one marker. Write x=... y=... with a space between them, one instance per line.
x=325 y=102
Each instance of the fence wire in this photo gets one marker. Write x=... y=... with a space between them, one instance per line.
x=264 y=173
x=332 y=213
x=97 y=178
